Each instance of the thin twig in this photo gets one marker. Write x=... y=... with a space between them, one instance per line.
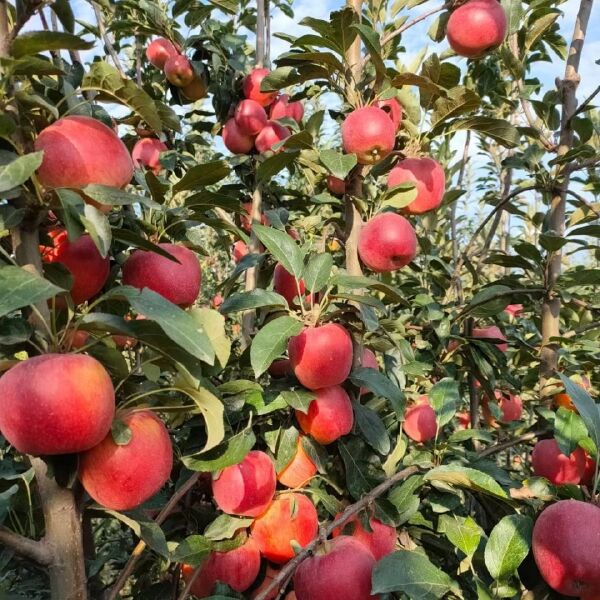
x=106 y=39
x=526 y=437
x=288 y=570
x=584 y=105
x=583 y=201
x=37 y=551
x=141 y=546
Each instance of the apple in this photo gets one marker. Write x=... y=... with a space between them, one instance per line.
x=566 y=545
x=179 y=71
x=510 y=405
x=336 y=185
x=75 y=338
x=82 y=259
x=250 y=117
x=387 y=242
x=514 y=310
x=393 y=108
x=251 y=87
x=476 y=27
x=329 y=415
x=381 y=540
x=239 y=250
x=493 y=332
x=284 y=283
x=340 y=568
x=217 y=300
x=270 y=574
x=464 y=420
x=272 y=133
x=590 y=471
x=80 y=151
x=429 y=180
x=247 y=488
x=548 y=461
x=368 y=361
x=56 y=404
x=282 y=108
x=321 y=356
x=291 y=517
x=179 y=282
x=146 y=153
x=237 y=568
x=246 y=219
x=196 y=89
x=159 y=51
x=369 y=133
x=299 y=470
x=563 y=399
x=280 y=368
x=123 y=477
x=420 y=423
x=235 y=141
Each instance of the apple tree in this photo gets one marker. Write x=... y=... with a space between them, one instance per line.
x=316 y=325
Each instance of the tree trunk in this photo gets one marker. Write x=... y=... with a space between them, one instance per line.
x=556 y=216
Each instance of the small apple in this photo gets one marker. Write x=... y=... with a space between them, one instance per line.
x=387 y=242
x=179 y=71
x=146 y=153
x=420 y=423
x=336 y=185
x=159 y=51
x=381 y=540
x=285 y=284
x=250 y=117
x=548 y=461
x=239 y=250
x=300 y=470
x=393 y=108
x=251 y=87
x=369 y=133
x=271 y=134
x=196 y=89
x=282 y=108
x=235 y=141
x=493 y=332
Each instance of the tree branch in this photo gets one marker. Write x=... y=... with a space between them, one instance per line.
x=37 y=551
x=106 y=39
x=526 y=437
x=289 y=568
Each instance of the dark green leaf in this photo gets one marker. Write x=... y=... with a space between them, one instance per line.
x=19 y=170
x=19 y=288
x=508 y=545
x=257 y=298
x=283 y=248
x=34 y=42
x=372 y=428
x=270 y=342
x=338 y=164
x=230 y=452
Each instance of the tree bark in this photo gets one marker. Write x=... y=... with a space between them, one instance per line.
x=556 y=216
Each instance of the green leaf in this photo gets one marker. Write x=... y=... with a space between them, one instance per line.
x=372 y=43
x=19 y=170
x=62 y=9
x=569 y=430
x=269 y=167
x=31 y=65
x=203 y=175
x=514 y=13
x=283 y=248
x=298 y=399
x=224 y=527
x=270 y=342
x=535 y=31
x=213 y=323
x=380 y=385
x=588 y=409
x=287 y=443
x=489 y=301
x=131 y=239
x=508 y=545
x=121 y=434
x=231 y=452
x=257 y=298
x=34 y=42
x=363 y=471
x=19 y=288
x=466 y=477
x=399 y=196
x=148 y=531
x=458 y=101
x=463 y=532
x=339 y=164
x=413 y=574
x=115 y=197
x=499 y=130
x=192 y=551
x=98 y=226
x=372 y=428
x=317 y=272
x=444 y=397
x=212 y=410
x=106 y=79
x=176 y=323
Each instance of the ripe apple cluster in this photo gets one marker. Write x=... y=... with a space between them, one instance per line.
x=255 y=125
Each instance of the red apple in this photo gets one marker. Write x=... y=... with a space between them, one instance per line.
x=280 y=368
x=368 y=361
x=146 y=153
x=179 y=282
x=239 y=250
x=429 y=179
x=381 y=540
x=387 y=242
x=159 y=51
x=56 y=404
x=590 y=471
x=80 y=151
x=420 y=423
x=196 y=89
x=336 y=185
x=235 y=141
x=82 y=259
x=238 y=568
x=464 y=420
x=285 y=284
x=179 y=71
x=270 y=574
x=246 y=219
x=321 y=356
x=493 y=332
x=217 y=300
x=476 y=27
x=272 y=133
x=566 y=545
x=514 y=310
x=251 y=87
x=329 y=415
x=282 y=108
x=369 y=133
x=393 y=108
x=548 y=461
x=291 y=517
x=76 y=338
x=250 y=117
x=300 y=470
x=340 y=568
x=510 y=405
x=247 y=488
x=123 y=477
